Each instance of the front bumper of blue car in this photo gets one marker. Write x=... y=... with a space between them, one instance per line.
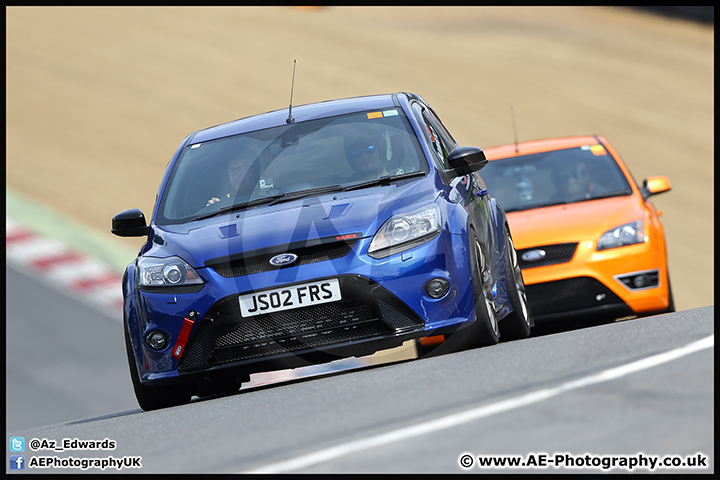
x=383 y=303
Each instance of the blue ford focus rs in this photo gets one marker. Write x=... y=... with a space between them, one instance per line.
x=306 y=235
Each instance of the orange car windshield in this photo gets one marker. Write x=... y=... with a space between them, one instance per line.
x=553 y=178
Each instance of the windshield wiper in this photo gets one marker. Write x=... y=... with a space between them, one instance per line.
x=530 y=206
x=618 y=193
x=286 y=197
x=385 y=180
x=241 y=206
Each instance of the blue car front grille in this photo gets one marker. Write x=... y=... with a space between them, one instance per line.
x=296 y=343
x=292 y=323
x=366 y=311
x=258 y=261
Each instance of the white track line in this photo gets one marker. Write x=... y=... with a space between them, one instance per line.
x=466 y=416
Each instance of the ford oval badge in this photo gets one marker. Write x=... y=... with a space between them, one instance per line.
x=283 y=259
x=533 y=255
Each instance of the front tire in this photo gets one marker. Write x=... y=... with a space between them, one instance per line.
x=516 y=324
x=155 y=397
x=671 y=300
x=485 y=330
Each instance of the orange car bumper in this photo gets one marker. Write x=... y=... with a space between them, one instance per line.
x=592 y=282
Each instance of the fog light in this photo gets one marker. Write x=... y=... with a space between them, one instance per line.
x=437 y=287
x=156 y=340
x=640 y=280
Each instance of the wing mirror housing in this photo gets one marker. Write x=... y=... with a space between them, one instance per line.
x=130 y=223
x=465 y=160
x=655 y=185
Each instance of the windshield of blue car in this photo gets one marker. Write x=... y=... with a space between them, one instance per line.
x=553 y=178
x=342 y=151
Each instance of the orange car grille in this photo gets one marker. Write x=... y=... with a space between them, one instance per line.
x=546 y=255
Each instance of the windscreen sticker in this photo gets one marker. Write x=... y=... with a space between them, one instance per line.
x=598 y=150
x=385 y=113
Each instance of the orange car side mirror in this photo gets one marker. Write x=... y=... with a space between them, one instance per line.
x=655 y=185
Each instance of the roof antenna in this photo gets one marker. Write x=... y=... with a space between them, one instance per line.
x=512 y=114
x=290 y=118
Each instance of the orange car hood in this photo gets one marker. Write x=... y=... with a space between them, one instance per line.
x=574 y=222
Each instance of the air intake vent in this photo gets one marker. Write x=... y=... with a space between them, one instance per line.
x=551 y=255
x=336 y=211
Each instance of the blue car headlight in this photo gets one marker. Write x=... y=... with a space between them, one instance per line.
x=628 y=234
x=401 y=232
x=166 y=272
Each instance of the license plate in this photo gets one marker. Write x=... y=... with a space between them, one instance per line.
x=287 y=298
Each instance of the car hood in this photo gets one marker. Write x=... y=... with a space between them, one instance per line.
x=575 y=222
x=332 y=215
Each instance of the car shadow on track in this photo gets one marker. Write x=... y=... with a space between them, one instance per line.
x=560 y=325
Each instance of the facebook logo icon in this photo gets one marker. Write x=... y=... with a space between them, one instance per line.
x=17 y=462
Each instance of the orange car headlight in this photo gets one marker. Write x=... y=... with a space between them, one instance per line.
x=628 y=234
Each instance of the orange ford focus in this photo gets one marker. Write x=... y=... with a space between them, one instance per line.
x=590 y=241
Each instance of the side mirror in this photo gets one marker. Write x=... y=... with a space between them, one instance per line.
x=130 y=223
x=464 y=160
x=655 y=185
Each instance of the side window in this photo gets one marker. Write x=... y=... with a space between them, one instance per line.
x=437 y=143
x=436 y=134
x=445 y=137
